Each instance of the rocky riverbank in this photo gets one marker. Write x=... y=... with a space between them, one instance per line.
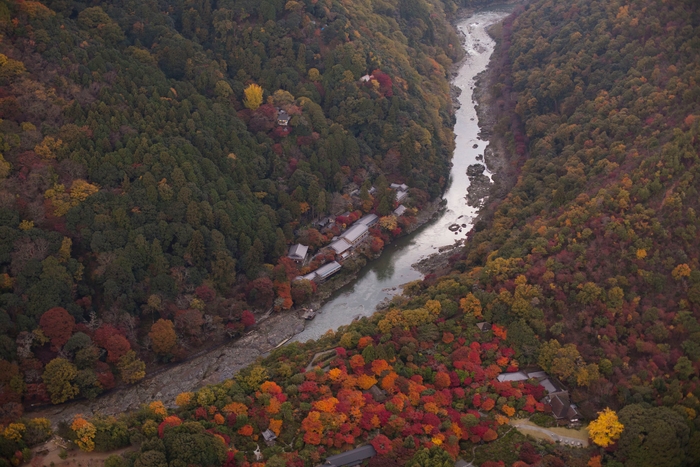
x=212 y=367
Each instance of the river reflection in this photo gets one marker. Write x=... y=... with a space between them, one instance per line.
x=381 y=278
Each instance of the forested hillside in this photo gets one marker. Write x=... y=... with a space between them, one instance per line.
x=596 y=245
x=592 y=261
x=588 y=268
x=145 y=174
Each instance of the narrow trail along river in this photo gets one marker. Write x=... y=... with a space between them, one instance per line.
x=379 y=280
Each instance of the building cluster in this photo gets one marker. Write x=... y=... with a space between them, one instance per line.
x=346 y=243
x=557 y=397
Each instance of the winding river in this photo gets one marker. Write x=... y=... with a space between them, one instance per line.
x=383 y=277
x=379 y=280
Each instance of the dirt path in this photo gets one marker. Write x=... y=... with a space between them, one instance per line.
x=574 y=438
x=48 y=454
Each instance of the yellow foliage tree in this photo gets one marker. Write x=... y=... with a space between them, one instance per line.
x=253 y=96
x=388 y=222
x=14 y=431
x=26 y=225
x=48 y=147
x=183 y=399
x=131 y=367
x=85 y=432
x=9 y=69
x=5 y=167
x=392 y=319
x=314 y=74
x=434 y=307
x=605 y=429
x=252 y=380
x=681 y=271
x=416 y=317
x=158 y=409
x=585 y=375
x=64 y=251
x=471 y=304
x=282 y=98
x=80 y=190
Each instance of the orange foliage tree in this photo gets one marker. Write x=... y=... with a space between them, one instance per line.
x=442 y=380
x=380 y=366
x=163 y=337
x=365 y=381
x=313 y=427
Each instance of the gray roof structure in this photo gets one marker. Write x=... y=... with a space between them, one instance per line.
x=537 y=374
x=560 y=406
x=401 y=187
x=340 y=246
x=309 y=277
x=355 y=233
x=513 y=376
x=378 y=394
x=400 y=210
x=328 y=270
x=325 y=221
x=282 y=117
x=369 y=220
x=401 y=195
x=351 y=458
x=549 y=386
x=298 y=252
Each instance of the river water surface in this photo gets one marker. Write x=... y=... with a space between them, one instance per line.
x=381 y=278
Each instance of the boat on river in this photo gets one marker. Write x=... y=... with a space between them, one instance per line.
x=308 y=314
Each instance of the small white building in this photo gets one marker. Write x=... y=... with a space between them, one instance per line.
x=401 y=191
x=282 y=118
x=269 y=436
x=400 y=210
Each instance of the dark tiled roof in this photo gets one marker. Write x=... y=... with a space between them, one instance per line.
x=354 y=457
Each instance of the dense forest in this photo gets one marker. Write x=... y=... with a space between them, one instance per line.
x=148 y=189
x=593 y=254
x=588 y=268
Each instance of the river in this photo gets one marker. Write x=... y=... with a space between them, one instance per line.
x=383 y=277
